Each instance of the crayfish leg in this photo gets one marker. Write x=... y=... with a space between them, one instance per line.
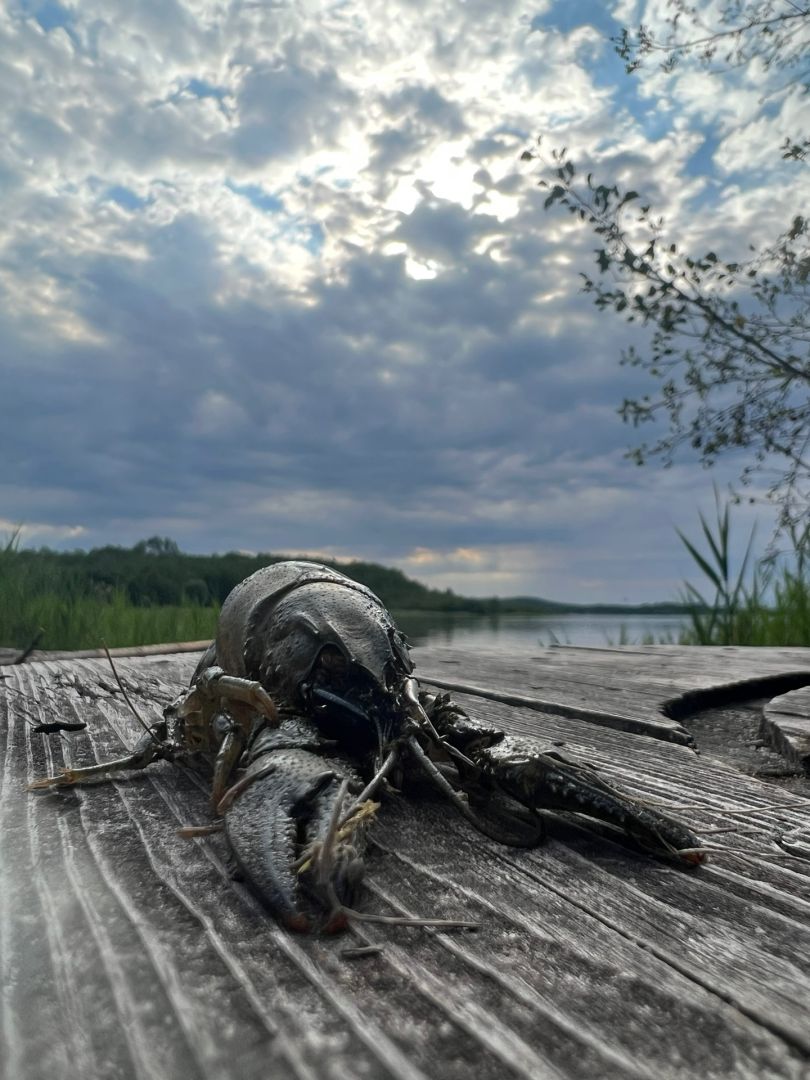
x=150 y=747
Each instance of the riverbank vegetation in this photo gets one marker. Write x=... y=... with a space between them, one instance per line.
x=153 y=593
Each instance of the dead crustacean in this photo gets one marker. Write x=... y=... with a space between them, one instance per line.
x=306 y=703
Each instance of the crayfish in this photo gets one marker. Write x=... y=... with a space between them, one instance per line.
x=305 y=709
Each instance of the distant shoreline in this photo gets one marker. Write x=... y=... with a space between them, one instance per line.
x=551 y=608
x=157 y=572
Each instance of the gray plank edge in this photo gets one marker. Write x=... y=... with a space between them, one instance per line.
x=644 y=701
x=666 y=729
x=786 y=723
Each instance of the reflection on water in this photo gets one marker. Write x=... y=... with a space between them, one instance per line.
x=525 y=632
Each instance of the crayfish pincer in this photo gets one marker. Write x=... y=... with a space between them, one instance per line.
x=302 y=707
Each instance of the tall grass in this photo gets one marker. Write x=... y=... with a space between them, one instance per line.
x=85 y=622
x=763 y=604
x=34 y=598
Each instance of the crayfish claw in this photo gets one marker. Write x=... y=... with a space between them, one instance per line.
x=280 y=830
x=212 y=686
x=549 y=780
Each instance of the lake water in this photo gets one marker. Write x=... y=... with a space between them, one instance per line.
x=522 y=633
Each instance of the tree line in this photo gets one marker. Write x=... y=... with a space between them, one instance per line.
x=156 y=573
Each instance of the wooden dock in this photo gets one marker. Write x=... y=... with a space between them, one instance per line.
x=127 y=952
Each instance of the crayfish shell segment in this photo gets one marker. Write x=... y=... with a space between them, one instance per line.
x=274 y=625
x=323 y=615
x=248 y=609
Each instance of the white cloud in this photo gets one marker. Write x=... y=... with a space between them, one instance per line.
x=38 y=531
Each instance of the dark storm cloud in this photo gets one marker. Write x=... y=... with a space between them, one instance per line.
x=287 y=109
x=192 y=402
x=271 y=419
x=425 y=107
x=415 y=117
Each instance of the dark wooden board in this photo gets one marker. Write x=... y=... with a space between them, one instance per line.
x=128 y=952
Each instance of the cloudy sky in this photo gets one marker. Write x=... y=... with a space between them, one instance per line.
x=273 y=277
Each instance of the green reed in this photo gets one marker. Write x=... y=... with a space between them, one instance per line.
x=766 y=603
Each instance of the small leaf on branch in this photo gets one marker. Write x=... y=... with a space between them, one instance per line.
x=557 y=193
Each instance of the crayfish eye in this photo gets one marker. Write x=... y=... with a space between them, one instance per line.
x=332 y=660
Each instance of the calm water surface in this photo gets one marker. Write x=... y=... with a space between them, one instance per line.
x=523 y=633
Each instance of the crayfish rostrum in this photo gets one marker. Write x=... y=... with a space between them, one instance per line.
x=305 y=707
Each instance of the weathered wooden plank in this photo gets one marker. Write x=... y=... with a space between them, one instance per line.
x=718 y=654
x=592 y=959
x=615 y=923
x=740 y=913
x=297 y=999
x=786 y=722
x=617 y=689
x=10 y=656
x=637 y=718
x=690 y=667
x=490 y=677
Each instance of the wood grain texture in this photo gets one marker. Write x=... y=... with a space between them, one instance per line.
x=128 y=952
x=786 y=722
x=639 y=689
